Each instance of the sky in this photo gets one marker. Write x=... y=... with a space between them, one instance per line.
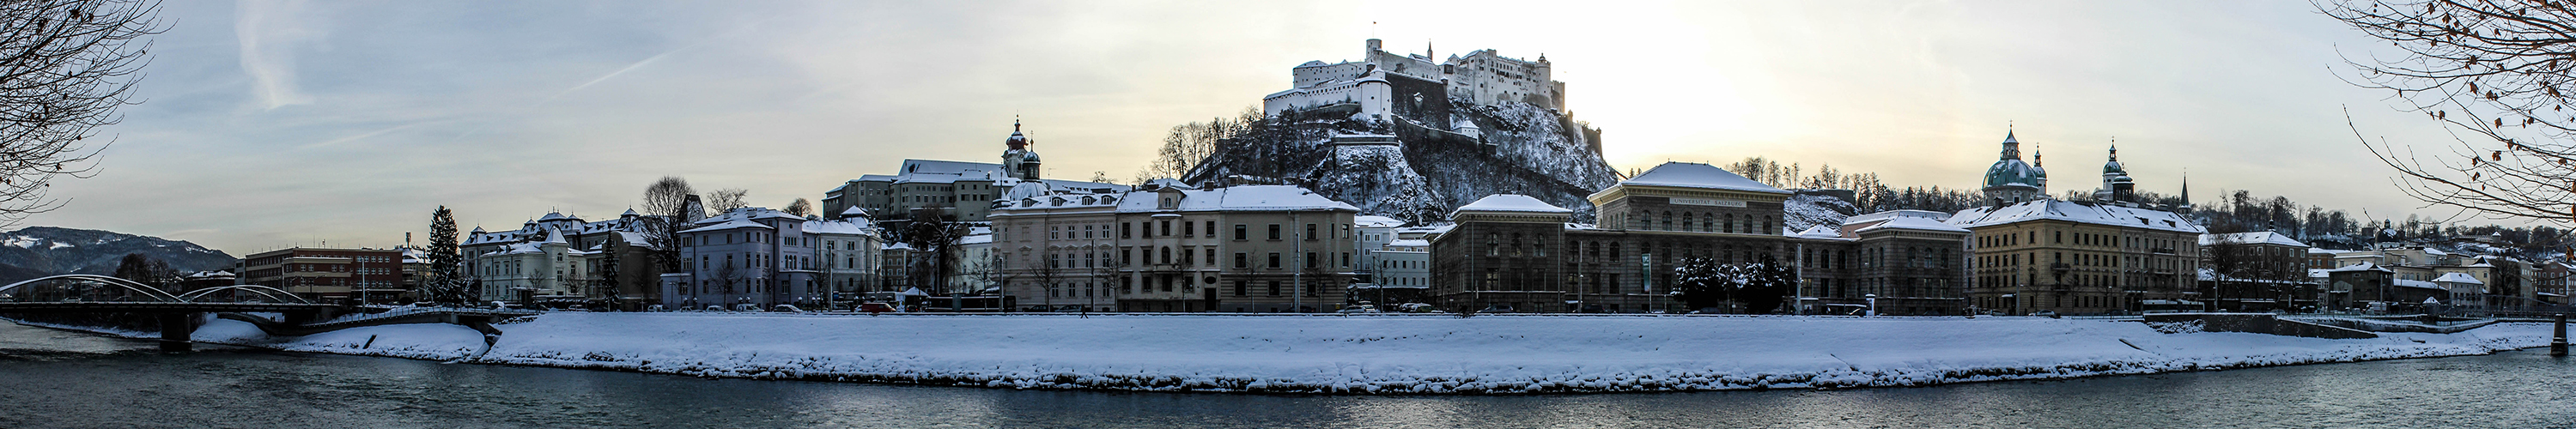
x=268 y=124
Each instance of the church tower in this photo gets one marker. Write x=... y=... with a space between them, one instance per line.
x=2116 y=185
x=1019 y=162
x=2011 y=181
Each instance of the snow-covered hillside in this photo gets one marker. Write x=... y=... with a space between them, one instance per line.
x=1518 y=148
x=43 y=250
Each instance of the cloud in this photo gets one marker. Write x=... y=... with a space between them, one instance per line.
x=267 y=30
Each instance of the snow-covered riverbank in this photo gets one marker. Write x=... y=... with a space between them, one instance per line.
x=1389 y=354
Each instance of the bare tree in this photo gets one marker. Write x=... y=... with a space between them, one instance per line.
x=727 y=199
x=2498 y=70
x=801 y=207
x=668 y=209
x=1189 y=144
x=934 y=236
x=66 y=66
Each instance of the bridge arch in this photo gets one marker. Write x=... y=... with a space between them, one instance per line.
x=273 y=294
x=147 y=290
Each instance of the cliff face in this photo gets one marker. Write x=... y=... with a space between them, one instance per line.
x=1436 y=162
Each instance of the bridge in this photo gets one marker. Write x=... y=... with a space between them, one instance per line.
x=176 y=313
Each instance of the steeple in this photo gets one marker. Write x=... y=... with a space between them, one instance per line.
x=2012 y=148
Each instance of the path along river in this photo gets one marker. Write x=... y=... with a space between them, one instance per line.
x=59 y=378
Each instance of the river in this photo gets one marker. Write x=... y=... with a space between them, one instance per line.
x=68 y=379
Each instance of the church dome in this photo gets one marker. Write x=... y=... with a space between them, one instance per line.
x=2013 y=172
x=1017 y=140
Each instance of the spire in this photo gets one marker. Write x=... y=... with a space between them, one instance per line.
x=2012 y=148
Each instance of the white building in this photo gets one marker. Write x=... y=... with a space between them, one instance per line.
x=1480 y=77
x=1374 y=233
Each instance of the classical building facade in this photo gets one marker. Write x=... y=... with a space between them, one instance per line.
x=2034 y=253
x=961 y=189
x=1261 y=248
x=763 y=258
x=562 y=260
x=1517 y=253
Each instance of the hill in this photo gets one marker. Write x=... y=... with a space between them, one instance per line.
x=43 y=250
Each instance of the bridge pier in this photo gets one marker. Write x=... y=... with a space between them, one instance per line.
x=175 y=329
x=2558 y=343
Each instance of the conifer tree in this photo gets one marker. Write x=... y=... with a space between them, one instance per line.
x=444 y=285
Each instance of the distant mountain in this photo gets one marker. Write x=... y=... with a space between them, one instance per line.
x=43 y=251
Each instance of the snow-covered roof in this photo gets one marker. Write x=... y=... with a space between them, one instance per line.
x=1697 y=175
x=854 y=211
x=2263 y=237
x=1510 y=203
x=848 y=226
x=2364 y=266
x=1913 y=223
x=2462 y=278
x=732 y=224
x=1819 y=231
x=2418 y=284
x=1375 y=221
x=1237 y=198
x=2051 y=209
x=1891 y=214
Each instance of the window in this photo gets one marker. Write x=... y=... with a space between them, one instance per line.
x=1274 y=232
x=1239 y=285
x=1274 y=261
x=1310 y=260
x=1242 y=233
x=1188 y=231
x=1274 y=285
x=1310 y=232
x=1211 y=230
x=1167 y=227
x=1123 y=228
x=1242 y=260
x=1167 y=255
x=1211 y=256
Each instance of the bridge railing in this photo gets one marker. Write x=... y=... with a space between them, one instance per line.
x=273 y=294
x=129 y=285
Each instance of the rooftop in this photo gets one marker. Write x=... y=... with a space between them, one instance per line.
x=1696 y=175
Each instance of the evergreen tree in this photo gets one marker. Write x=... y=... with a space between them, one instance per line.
x=444 y=285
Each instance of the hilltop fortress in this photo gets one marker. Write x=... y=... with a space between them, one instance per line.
x=1382 y=82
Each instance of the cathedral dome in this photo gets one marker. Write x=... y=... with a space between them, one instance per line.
x=2013 y=172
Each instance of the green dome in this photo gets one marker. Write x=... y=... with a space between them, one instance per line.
x=2013 y=172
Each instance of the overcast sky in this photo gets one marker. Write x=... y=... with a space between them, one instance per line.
x=277 y=123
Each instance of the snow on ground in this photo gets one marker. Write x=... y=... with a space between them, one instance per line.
x=1399 y=354
x=1367 y=354
x=432 y=341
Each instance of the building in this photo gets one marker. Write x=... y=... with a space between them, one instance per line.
x=752 y=256
x=328 y=274
x=563 y=261
x=1402 y=271
x=1903 y=262
x=1260 y=248
x=1383 y=82
x=2255 y=271
x=963 y=190
x=2034 y=253
x=849 y=256
x=1374 y=233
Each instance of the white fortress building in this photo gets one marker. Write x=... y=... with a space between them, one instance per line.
x=1376 y=84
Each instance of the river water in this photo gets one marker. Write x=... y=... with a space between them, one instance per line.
x=66 y=379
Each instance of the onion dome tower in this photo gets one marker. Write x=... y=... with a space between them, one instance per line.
x=2116 y=184
x=1019 y=162
x=2012 y=181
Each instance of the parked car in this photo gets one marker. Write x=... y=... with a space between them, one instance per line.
x=1496 y=309
x=2045 y=313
